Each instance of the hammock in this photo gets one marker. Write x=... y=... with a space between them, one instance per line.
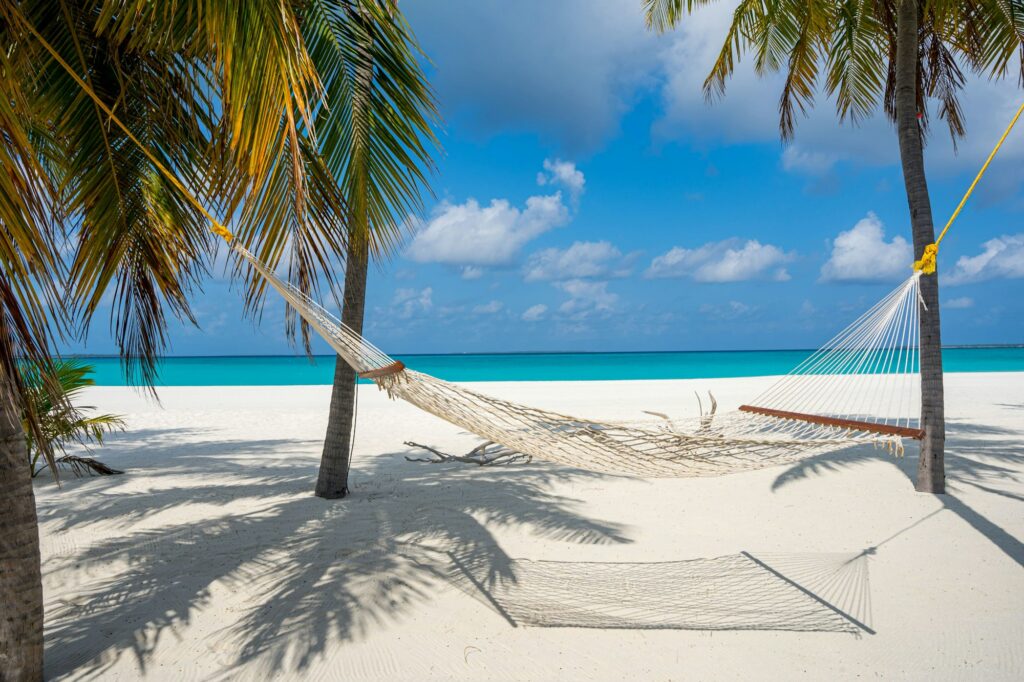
x=859 y=388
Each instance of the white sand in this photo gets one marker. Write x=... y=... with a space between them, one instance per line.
x=210 y=559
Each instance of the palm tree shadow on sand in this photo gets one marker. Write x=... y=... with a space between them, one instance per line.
x=978 y=456
x=317 y=573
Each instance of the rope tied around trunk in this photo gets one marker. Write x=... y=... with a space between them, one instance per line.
x=927 y=263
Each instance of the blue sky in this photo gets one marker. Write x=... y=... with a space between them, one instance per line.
x=589 y=199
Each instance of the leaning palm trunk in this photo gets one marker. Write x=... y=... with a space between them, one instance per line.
x=332 y=481
x=931 y=476
x=21 y=589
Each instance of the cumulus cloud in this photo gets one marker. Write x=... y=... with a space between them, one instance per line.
x=1002 y=257
x=959 y=303
x=581 y=260
x=475 y=235
x=535 y=313
x=731 y=260
x=564 y=173
x=408 y=302
x=489 y=308
x=586 y=297
x=861 y=254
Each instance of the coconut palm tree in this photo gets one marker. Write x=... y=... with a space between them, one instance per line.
x=126 y=126
x=899 y=53
x=382 y=154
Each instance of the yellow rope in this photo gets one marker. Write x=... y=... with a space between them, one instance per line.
x=216 y=226
x=927 y=262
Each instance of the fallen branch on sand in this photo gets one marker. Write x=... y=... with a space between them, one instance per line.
x=485 y=454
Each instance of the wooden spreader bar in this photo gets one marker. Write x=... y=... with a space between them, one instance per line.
x=394 y=368
x=885 y=429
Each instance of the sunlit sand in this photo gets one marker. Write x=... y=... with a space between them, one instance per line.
x=211 y=559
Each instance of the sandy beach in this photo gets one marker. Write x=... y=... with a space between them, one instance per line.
x=210 y=558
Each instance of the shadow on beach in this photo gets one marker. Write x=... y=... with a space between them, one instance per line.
x=312 y=573
x=978 y=456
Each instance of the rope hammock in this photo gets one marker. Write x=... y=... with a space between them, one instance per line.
x=862 y=387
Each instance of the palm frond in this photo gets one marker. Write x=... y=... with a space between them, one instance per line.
x=744 y=19
x=855 y=42
x=31 y=317
x=61 y=420
x=368 y=162
x=376 y=124
x=856 y=75
x=663 y=15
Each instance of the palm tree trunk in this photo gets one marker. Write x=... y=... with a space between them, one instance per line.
x=332 y=481
x=21 y=587
x=931 y=476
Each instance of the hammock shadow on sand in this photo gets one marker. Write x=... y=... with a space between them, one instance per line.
x=816 y=592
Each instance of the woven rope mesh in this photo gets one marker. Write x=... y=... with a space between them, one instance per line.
x=868 y=373
x=797 y=592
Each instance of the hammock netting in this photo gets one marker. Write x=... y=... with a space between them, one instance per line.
x=860 y=388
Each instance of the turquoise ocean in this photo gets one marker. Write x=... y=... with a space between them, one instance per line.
x=300 y=370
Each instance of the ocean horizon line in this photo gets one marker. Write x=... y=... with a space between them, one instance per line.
x=969 y=346
x=291 y=370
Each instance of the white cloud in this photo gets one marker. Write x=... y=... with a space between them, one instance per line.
x=408 y=302
x=535 y=313
x=582 y=259
x=959 y=303
x=731 y=260
x=469 y=234
x=490 y=308
x=797 y=159
x=1002 y=257
x=563 y=173
x=861 y=254
x=732 y=310
x=471 y=272
x=586 y=297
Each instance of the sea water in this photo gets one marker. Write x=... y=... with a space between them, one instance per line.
x=300 y=370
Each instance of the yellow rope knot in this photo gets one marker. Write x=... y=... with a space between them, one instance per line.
x=222 y=231
x=927 y=262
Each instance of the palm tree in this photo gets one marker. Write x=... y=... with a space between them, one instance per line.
x=383 y=157
x=899 y=52
x=125 y=125
x=63 y=420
